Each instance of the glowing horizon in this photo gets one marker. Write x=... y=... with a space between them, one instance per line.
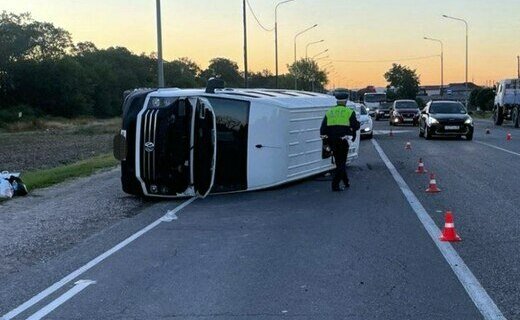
x=367 y=30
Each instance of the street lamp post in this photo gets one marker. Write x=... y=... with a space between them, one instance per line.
x=319 y=54
x=160 y=64
x=245 y=44
x=276 y=37
x=442 y=62
x=295 y=38
x=308 y=45
x=466 y=24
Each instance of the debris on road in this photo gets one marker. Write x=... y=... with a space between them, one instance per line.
x=11 y=185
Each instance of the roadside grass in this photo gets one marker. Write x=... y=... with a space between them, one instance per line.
x=84 y=125
x=48 y=177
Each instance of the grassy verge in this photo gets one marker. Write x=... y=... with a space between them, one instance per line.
x=48 y=177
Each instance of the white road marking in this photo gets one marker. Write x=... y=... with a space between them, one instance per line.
x=386 y=132
x=477 y=293
x=56 y=286
x=79 y=286
x=498 y=148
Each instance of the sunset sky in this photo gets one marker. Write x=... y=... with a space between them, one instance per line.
x=359 y=30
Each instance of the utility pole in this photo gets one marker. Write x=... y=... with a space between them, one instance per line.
x=518 y=61
x=160 y=64
x=245 y=44
x=276 y=37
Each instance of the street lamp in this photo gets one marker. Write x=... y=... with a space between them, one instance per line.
x=442 y=61
x=308 y=45
x=299 y=34
x=466 y=24
x=276 y=36
x=295 y=38
x=319 y=54
x=160 y=64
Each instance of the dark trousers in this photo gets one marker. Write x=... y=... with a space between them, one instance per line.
x=340 y=150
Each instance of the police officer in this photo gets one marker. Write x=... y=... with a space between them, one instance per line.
x=338 y=123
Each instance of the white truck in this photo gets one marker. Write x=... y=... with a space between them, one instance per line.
x=507 y=102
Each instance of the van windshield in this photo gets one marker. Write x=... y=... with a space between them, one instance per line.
x=376 y=97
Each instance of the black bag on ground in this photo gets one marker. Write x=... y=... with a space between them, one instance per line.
x=20 y=189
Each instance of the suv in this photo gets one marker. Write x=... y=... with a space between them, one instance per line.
x=404 y=112
x=507 y=102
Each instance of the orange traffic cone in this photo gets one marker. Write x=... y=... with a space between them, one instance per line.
x=432 y=188
x=420 y=168
x=408 y=146
x=508 y=136
x=449 y=233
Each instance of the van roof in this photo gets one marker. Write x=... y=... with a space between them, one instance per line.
x=279 y=97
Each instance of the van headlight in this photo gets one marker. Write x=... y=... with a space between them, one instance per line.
x=432 y=120
x=468 y=121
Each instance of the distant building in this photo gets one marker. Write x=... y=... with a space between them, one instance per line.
x=452 y=91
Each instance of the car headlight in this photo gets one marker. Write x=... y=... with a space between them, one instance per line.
x=468 y=121
x=432 y=121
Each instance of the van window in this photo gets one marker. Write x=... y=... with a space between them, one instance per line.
x=232 y=126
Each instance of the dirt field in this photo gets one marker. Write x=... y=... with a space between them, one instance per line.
x=58 y=144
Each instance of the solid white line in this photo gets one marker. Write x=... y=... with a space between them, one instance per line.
x=79 y=286
x=42 y=295
x=498 y=148
x=477 y=293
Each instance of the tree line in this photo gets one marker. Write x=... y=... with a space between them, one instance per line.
x=42 y=72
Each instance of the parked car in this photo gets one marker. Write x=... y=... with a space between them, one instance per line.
x=445 y=118
x=367 y=125
x=507 y=102
x=404 y=112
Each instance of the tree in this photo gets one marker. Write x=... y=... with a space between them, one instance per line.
x=23 y=38
x=182 y=73
x=310 y=76
x=225 y=69
x=404 y=80
x=482 y=98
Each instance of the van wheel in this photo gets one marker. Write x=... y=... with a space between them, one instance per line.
x=515 y=116
x=498 y=116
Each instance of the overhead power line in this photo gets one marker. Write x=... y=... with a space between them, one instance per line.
x=389 y=60
x=256 y=18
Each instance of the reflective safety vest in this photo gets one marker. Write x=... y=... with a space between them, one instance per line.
x=339 y=116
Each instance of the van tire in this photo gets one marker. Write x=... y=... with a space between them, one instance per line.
x=498 y=116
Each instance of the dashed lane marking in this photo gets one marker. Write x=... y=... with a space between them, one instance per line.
x=477 y=293
x=58 y=285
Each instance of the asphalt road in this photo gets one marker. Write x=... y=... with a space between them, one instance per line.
x=303 y=252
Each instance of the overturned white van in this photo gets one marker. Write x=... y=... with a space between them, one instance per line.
x=178 y=142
